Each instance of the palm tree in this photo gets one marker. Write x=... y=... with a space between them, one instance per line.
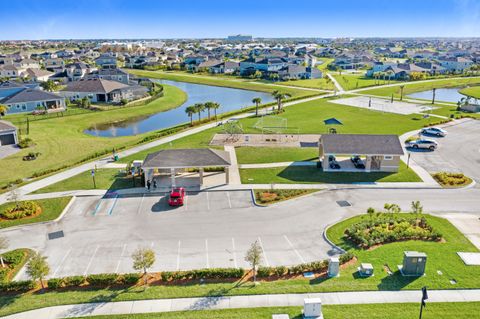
x=257 y=102
x=401 y=92
x=190 y=110
x=433 y=97
x=279 y=96
x=208 y=107
x=3 y=109
x=215 y=106
x=199 y=108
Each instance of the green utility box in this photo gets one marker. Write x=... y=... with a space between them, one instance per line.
x=414 y=263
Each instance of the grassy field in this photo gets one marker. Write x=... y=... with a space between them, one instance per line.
x=105 y=178
x=51 y=209
x=224 y=81
x=253 y=155
x=357 y=81
x=310 y=83
x=313 y=175
x=473 y=91
x=441 y=257
x=412 y=87
x=463 y=310
x=61 y=141
x=326 y=62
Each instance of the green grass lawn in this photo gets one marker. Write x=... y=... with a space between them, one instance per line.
x=313 y=175
x=51 y=209
x=460 y=310
x=61 y=141
x=224 y=81
x=412 y=87
x=325 y=64
x=473 y=91
x=105 y=178
x=253 y=155
x=441 y=257
x=357 y=81
x=310 y=83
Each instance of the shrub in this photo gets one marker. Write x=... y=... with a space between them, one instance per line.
x=210 y=273
x=24 y=285
x=452 y=179
x=166 y=275
x=21 y=210
x=263 y=272
x=73 y=281
x=274 y=195
x=346 y=257
x=25 y=142
x=102 y=279
x=129 y=279
x=55 y=283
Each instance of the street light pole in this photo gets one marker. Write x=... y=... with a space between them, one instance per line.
x=408 y=159
x=93 y=177
x=424 y=297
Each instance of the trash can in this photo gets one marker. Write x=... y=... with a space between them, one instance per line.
x=115 y=158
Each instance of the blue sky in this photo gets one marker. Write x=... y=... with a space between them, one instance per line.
x=84 y=19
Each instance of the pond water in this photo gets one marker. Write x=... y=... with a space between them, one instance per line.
x=229 y=99
x=445 y=95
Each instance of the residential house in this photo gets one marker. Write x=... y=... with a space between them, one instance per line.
x=106 y=61
x=54 y=64
x=228 y=67
x=28 y=100
x=455 y=64
x=112 y=75
x=38 y=75
x=78 y=70
x=8 y=133
x=105 y=91
x=10 y=71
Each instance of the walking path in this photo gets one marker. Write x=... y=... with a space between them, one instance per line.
x=337 y=85
x=252 y=301
x=278 y=164
x=233 y=172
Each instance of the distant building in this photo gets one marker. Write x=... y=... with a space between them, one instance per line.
x=240 y=38
x=28 y=100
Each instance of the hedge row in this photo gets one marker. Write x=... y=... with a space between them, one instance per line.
x=94 y=280
x=17 y=286
x=212 y=273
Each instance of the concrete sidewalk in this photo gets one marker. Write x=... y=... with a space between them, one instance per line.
x=253 y=301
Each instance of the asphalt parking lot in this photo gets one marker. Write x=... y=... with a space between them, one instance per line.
x=213 y=229
x=458 y=152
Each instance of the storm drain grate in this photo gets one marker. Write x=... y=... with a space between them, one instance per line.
x=55 y=235
x=343 y=203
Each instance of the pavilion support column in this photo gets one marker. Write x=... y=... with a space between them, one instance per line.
x=172 y=176
x=368 y=163
x=227 y=175
x=201 y=175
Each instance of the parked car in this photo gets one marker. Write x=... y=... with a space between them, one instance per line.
x=332 y=162
x=357 y=162
x=426 y=144
x=176 y=197
x=434 y=131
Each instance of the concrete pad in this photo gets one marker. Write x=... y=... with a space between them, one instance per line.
x=470 y=258
x=239 y=302
x=383 y=105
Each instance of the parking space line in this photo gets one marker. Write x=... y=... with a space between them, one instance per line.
x=61 y=262
x=178 y=255
x=234 y=253
x=91 y=260
x=120 y=260
x=229 y=201
x=139 y=210
x=110 y=212
x=208 y=202
x=263 y=250
x=293 y=248
x=185 y=202
x=206 y=250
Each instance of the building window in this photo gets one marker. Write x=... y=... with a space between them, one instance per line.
x=388 y=157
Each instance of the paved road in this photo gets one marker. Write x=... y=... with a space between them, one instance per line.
x=253 y=301
x=214 y=229
x=459 y=151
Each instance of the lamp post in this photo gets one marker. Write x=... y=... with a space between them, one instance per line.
x=423 y=304
x=93 y=178
x=408 y=159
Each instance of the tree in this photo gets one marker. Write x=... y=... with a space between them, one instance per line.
x=37 y=268
x=254 y=258
x=279 y=96
x=392 y=208
x=401 y=92
x=190 y=110
x=143 y=259
x=257 y=102
x=3 y=109
x=370 y=212
x=199 y=108
x=3 y=245
x=49 y=86
x=417 y=208
x=215 y=106
x=208 y=107
x=433 y=95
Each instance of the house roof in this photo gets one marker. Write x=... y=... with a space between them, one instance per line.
x=7 y=126
x=362 y=144
x=182 y=158
x=94 y=85
x=30 y=95
x=38 y=72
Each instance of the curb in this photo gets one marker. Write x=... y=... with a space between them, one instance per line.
x=325 y=237
x=254 y=201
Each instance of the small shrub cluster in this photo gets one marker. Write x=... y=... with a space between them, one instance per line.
x=437 y=122
x=212 y=273
x=25 y=142
x=21 y=210
x=100 y=280
x=275 y=195
x=386 y=228
x=12 y=260
x=452 y=179
x=17 y=286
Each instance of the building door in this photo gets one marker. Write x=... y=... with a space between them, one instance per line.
x=376 y=163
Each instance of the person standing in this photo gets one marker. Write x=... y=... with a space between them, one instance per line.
x=154 y=184
x=149 y=184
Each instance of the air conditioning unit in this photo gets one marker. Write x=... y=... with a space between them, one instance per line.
x=312 y=308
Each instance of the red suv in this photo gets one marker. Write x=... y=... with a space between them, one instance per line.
x=176 y=196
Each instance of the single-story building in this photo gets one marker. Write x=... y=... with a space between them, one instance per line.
x=175 y=161
x=8 y=133
x=380 y=153
x=28 y=100
x=100 y=90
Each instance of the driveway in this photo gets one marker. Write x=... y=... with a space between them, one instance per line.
x=459 y=151
x=7 y=150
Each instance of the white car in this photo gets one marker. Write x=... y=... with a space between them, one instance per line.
x=434 y=131
x=427 y=144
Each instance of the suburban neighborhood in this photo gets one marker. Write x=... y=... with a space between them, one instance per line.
x=177 y=168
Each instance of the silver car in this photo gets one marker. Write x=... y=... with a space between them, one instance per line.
x=424 y=143
x=436 y=131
